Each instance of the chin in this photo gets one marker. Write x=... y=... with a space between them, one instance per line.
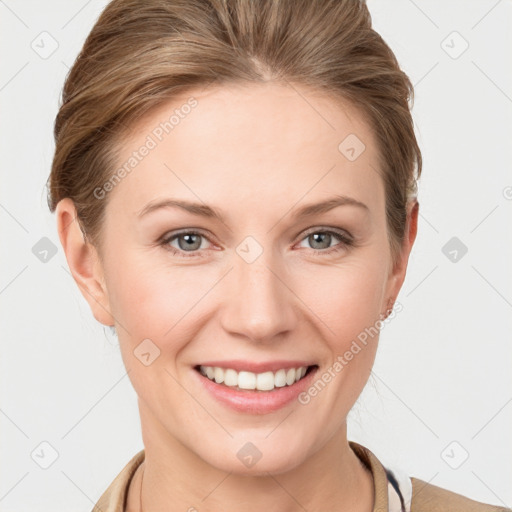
x=248 y=460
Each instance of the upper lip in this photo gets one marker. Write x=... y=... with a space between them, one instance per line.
x=255 y=367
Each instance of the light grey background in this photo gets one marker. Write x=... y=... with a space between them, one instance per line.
x=442 y=385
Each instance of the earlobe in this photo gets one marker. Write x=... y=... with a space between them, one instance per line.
x=389 y=308
x=83 y=261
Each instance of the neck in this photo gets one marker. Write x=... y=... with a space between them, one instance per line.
x=176 y=479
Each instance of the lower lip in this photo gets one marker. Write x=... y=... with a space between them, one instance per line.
x=256 y=402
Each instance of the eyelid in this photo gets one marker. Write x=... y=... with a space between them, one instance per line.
x=332 y=229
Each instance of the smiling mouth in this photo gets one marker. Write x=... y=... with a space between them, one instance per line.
x=250 y=381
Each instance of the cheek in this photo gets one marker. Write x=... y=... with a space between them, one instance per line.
x=155 y=300
x=346 y=298
x=156 y=303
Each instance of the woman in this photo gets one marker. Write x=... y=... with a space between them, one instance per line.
x=235 y=190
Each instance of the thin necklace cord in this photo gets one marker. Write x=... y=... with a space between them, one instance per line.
x=141 y=480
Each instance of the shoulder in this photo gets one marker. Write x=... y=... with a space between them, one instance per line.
x=427 y=497
x=114 y=497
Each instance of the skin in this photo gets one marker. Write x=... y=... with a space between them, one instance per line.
x=257 y=153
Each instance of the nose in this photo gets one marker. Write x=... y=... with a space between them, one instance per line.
x=259 y=304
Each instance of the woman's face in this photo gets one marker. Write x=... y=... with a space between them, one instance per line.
x=267 y=282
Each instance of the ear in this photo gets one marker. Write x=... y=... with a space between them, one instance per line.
x=83 y=261
x=399 y=268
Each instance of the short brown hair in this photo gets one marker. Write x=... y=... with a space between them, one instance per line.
x=142 y=52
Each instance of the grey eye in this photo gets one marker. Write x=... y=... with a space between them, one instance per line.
x=320 y=240
x=191 y=241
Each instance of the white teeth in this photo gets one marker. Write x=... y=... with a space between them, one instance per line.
x=248 y=380
x=218 y=375
x=230 y=377
x=280 y=379
x=265 y=381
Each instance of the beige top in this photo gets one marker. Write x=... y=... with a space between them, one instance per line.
x=388 y=498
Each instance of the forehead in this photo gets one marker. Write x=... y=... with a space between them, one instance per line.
x=250 y=144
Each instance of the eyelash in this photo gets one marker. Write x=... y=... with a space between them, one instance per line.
x=346 y=241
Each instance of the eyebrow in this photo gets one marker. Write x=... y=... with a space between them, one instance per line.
x=204 y=210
